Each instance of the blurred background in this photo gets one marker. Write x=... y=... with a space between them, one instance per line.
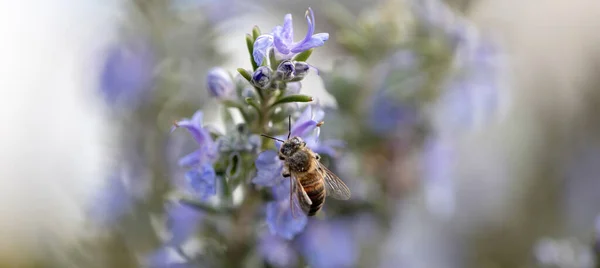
x=468 y=133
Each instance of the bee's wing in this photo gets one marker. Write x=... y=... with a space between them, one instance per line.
x=335 y=187
x=297 y=191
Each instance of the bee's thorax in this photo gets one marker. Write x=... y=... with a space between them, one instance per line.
x=300 y=161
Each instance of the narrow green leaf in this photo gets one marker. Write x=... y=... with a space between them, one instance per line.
x=294 y=98
x=297 y=79
x=233 y=104
x=255 y=32
x=272 y=60
x=252 y=102
x=245 y=74
x=250 y=45
x=201 y=206
x=303 y=56
x=239 y=106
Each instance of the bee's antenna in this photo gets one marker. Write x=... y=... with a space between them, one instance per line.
x=273 y=138
x=289 y=126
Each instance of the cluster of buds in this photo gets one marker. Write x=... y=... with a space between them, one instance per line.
x=287 y=71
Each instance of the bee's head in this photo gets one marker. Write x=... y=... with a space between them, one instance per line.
x=290 y=146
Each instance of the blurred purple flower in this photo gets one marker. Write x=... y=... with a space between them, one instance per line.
x=203 y=181
x=220 y=84
x=127 y=73
x=327 y=244
x=279 y=217
x=400 y=77
x=472 y=97
x=277 y=252
x=182 y=221
x=437 y=177
x=268 y=168
x=387 y=114
x=114 y=201
x=201 y=176
x=282 y=38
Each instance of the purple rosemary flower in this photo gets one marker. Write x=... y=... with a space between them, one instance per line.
x=277 y=251
x=203 y=181
x=114 y=201
x=329 y=244
x=268 y=169
x=182 y=222
x=127 y=73
x=201 y=177
x=220 y=84
x=390 y=109
x=279 y=218
x=281 y=38
x=438 y=183
x=388 y=114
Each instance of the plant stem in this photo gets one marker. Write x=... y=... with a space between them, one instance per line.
x=242 y=238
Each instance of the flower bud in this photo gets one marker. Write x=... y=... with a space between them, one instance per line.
x=301 y=69
x=285 y=71
x=220 y=84
x=261 y=78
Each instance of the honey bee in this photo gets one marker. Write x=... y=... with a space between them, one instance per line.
x=310 y=180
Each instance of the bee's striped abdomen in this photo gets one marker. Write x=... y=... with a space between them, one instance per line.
x=314 y=188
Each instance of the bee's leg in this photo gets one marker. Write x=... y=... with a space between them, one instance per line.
x=286 y=171
x=292 y=207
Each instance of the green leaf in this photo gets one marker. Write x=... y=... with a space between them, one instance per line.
x=233 y=104
x=245 y=74
x=255 y=32
x=252 y=102
x=303 y=56
x=250 y=45
x=293 y=98
x=297 y=79
x=272 y=60
x=239 y=106
x=204 y=207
